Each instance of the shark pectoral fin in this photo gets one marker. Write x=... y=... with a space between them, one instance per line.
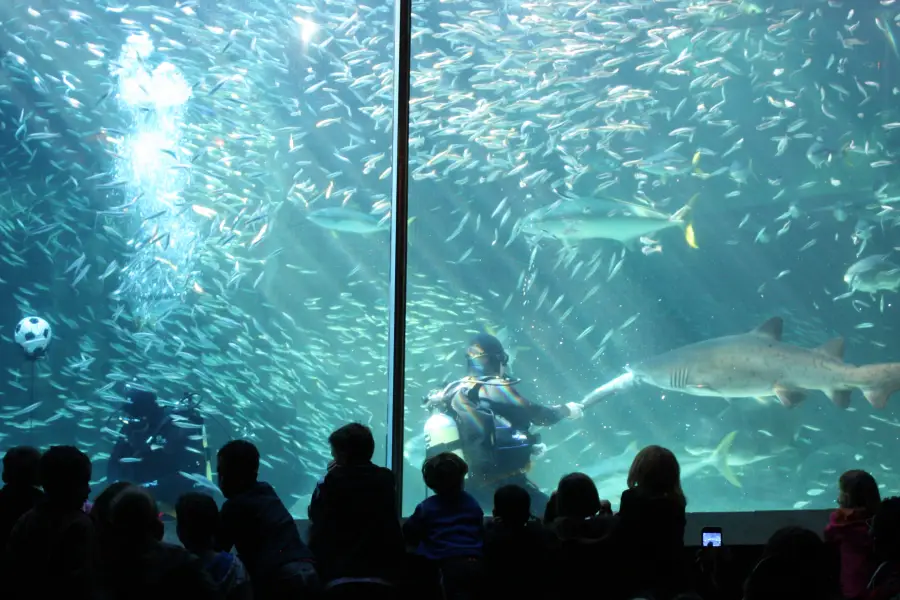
x=763 y=400
x=841 y=398
x=721 y=454
x=789 y=398
x=833 y=348
x=771 y=328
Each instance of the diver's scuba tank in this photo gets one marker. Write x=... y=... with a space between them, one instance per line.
x=441 y=430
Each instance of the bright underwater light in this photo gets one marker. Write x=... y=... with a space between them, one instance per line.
x=162 y=234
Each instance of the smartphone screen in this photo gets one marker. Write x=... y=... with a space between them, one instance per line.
x=712 y=538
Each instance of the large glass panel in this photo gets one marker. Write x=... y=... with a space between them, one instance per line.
x=600 y=183
x=194 y=197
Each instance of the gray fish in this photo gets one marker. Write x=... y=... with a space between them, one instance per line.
x=873 y=274
x=575 y=219
x=348 y=220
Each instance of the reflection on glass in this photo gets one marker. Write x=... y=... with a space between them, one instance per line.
x=196 y=199
x=599 y=186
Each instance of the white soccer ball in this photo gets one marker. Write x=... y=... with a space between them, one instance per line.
x=33 y=334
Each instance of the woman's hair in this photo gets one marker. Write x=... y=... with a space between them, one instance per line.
x=859 y=490
x=577 y=497
x=655 y=470
x=551 y=511
x=445 y=473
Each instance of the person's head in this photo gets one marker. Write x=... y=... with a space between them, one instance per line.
x=21 y=466
x=857 y=489
x=794 y=542
x=486 y=356
x=795 y=563
x=655 y=470
x=885 y=529
x=512 y=505
x=237 y=464
x=134 y=517
x=65 y=474
x=197 y=518
x=577 y=497
x=142 y=404
x=100 y=510
x=445 y=473
x=352 y=444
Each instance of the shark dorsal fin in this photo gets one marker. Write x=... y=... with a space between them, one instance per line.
x=833 y=348
x=771 y=328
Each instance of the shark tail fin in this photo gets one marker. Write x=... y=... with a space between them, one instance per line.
x=720 y=459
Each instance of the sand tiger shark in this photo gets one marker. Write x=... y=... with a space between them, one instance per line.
x=758 y=364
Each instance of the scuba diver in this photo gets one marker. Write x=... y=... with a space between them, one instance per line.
x=485 y=420
x=164 y=450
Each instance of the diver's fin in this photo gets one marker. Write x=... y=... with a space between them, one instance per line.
x=789 y=398
x=771 y=328
x=833 y=348
x=720 y=459
x=840 y=398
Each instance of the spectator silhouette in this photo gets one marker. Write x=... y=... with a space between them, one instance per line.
x=447 y=529
x=198 y=522
x=143 y=566
x=256 y=523
x=795 y=564
x=52 y=550
x=582 y=528
x=354 y=530
x=885 y=583
x=20 y=491
x=515 y=542
x=100 y=516
x=848 y=531
x=650 y=528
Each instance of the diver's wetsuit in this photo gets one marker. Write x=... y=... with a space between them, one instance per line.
x=155 y=449
x=493 y=421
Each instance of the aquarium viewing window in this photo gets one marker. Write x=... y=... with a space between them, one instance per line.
x=540 y=235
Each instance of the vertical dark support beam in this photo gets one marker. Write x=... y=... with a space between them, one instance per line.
x=399 y=221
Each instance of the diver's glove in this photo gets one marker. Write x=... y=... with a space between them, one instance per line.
x=576 y=410
x=538 y=450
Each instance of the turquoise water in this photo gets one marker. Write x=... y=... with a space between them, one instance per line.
x=195 y=196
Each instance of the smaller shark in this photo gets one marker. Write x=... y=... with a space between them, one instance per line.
x=611 y=474
x=757 y=364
